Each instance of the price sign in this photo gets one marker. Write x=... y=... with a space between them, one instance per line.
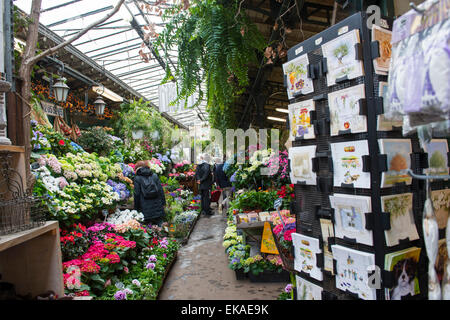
x=52 y=110
x=277 y=204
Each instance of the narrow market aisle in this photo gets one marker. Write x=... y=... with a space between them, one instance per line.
x=201 y=271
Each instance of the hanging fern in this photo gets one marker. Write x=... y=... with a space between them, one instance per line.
x=215 y=46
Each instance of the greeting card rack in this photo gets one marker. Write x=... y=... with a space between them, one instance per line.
x=313 y=201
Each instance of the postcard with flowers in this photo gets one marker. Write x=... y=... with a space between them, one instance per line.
x=301 y=164
x=395 y=120
x=344 y=110
x=341 y=57
x=441 y=206
x=400 y=208
x=398 y=161
x=404 y=266
x=383 y=36
x=326 y=226
x=352 y=270
x=300 y=121
x=296 y=73
x=307 y=290
x=437 y=150
x=305 y=259
x=348 y=163
x=350 y=217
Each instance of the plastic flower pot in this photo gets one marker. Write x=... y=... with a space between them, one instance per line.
x=240 y=274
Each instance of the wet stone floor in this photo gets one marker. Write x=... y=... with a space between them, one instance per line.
x=201 y=271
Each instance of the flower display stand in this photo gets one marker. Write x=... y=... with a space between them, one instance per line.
x=31 y=260
x=270 y=276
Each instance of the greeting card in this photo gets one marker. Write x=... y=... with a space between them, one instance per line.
x=383 y=36
x=398 y=161
x=350 y=217
x=301 y=164
x=307 y=290
x=404 y=266
x=300 y=121
x=296 y=74
x=395 y=120
x=341 y=57
x=441 y=206
x=326 y=227
x=437 y=150
x=352 y=270
x=305 y=255
x=344 y=110
x=441 y=260
x=348 y=163
x=400 y=208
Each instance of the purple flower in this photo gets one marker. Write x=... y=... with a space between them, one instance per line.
x=150 y=266
x=164 y=255
x=152 y=258
x=288 y=288
x=136 y=282
x=127 y=291
x=120 y=295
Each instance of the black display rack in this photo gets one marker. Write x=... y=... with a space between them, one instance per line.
x=312 y=201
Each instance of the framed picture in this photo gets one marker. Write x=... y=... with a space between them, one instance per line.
x=300 y=121
x=398 y=161
x=305 y=255
x=296 y=74
x=384 y=124
x=326 y=226
x=301 y=164
x=383 y=36
x=341 y=57
x=400 y=207
x=352 y=271
x=441 y=206
x=348 y=163
x=404 y=266
x=350 y=217
x=437 y=150
x=307 y=290
x=344 y=110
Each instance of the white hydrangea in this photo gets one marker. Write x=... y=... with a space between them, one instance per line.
x=120 y=217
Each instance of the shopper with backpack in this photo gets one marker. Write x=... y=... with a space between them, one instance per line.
x=204 y=177
x=148 y=194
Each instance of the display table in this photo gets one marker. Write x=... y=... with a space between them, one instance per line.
x=31 y=260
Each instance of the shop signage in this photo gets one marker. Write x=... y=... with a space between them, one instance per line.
x=52 y=110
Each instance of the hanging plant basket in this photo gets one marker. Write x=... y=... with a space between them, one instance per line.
x=287 y=256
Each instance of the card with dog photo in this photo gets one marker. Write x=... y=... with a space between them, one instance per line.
x=404 y=267
x=350 y=217
x=305 y=255
x=441 y=206
x=352 y=271
x=400 y=208
x=301 y=164
x=307 y=290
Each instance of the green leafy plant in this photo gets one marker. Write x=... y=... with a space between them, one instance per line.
x=97 y=140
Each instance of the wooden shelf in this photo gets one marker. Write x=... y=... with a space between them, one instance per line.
x=15 y=239
x=19 y=149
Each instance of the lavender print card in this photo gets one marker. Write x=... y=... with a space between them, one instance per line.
x=300 y=121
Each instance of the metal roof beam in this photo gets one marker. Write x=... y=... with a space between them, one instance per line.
x=114 y=52
x=103 y=37
x=80 y=16
x=115 y=44
x=59 y=6
x=134 y=72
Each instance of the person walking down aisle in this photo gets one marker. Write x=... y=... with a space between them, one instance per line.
x=221 y=178
x=204 y=178
x=148 y=194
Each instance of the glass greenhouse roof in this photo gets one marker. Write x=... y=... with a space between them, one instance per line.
x=114 y=44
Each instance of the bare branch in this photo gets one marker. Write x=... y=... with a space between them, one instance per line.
x=78 y=35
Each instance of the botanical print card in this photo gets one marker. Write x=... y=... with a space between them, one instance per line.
x=305 y=259
x=441 y=260
x=341 y=57
x=441 y=206
x=326 y=227
x=344 y=110
x=437 y=150
x=384 y=124
x=404 y=266
x=350 y=217
x=300 y=121
x=383 y=36
x=307 y=290
x=301 y=164
x=400 y=207
x=398 y=161
x=348 y=164
x=296 y=74
x=352 y=270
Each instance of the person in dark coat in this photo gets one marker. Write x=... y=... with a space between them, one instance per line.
x=204 y=178
x=149 y=194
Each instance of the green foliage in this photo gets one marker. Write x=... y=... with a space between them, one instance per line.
x=254 y=200
x=437 y=160
x=215 y=45
x=97 y=140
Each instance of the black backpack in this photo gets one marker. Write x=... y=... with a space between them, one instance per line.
x=149 y=188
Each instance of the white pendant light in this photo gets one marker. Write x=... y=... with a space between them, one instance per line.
x=99 y=105
x=60 y=90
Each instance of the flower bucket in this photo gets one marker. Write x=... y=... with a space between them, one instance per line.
x=240 y=274
x=138 y=134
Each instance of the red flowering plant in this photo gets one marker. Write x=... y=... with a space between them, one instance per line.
x=286 y=192
x=283 y=236
x=73 y=243
x=278 y=168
